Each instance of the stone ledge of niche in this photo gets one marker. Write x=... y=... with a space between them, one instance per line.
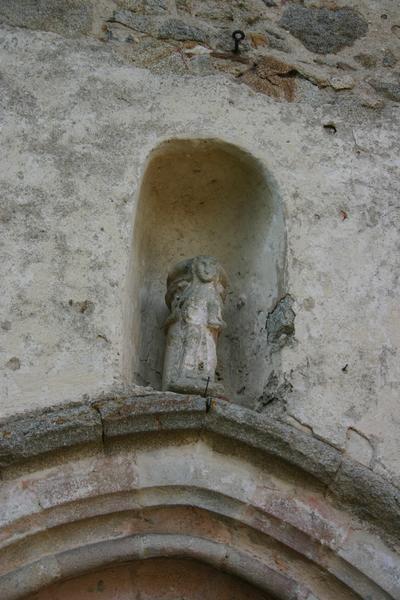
x=354 y=484
x=155 y=411
x=276 y=438
x=373 y=495
x=44 y=430
x=30 y=434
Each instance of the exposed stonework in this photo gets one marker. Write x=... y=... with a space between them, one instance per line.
x=14 y=363
x=71 y=17
x=324 y=30
x=161 y=35
x=280 y=323
x=390 y=89
x=273 y=77
x=275 y=394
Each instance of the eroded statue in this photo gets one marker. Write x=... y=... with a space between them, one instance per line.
x=196 y=290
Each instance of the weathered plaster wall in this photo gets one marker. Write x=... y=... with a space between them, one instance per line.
x=80 y=115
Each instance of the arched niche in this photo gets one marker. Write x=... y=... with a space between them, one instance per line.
x=206 y=197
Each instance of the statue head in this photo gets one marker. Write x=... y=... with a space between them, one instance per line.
x=204 y=269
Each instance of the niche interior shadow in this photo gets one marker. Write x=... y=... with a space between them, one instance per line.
x=206 y=197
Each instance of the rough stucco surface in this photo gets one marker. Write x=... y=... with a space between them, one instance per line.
x=79 y=118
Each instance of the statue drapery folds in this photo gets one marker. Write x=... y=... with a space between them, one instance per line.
x=196 y=290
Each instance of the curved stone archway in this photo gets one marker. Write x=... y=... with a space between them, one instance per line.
x=167 y=476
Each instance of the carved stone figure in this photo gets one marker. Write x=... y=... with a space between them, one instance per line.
x=196 y=290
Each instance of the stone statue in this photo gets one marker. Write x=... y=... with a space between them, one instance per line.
x=196 y=290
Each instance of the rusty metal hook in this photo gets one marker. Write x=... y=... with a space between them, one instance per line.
x=238 y=36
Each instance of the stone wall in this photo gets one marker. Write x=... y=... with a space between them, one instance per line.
x=88 y=90
x=292 y=50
